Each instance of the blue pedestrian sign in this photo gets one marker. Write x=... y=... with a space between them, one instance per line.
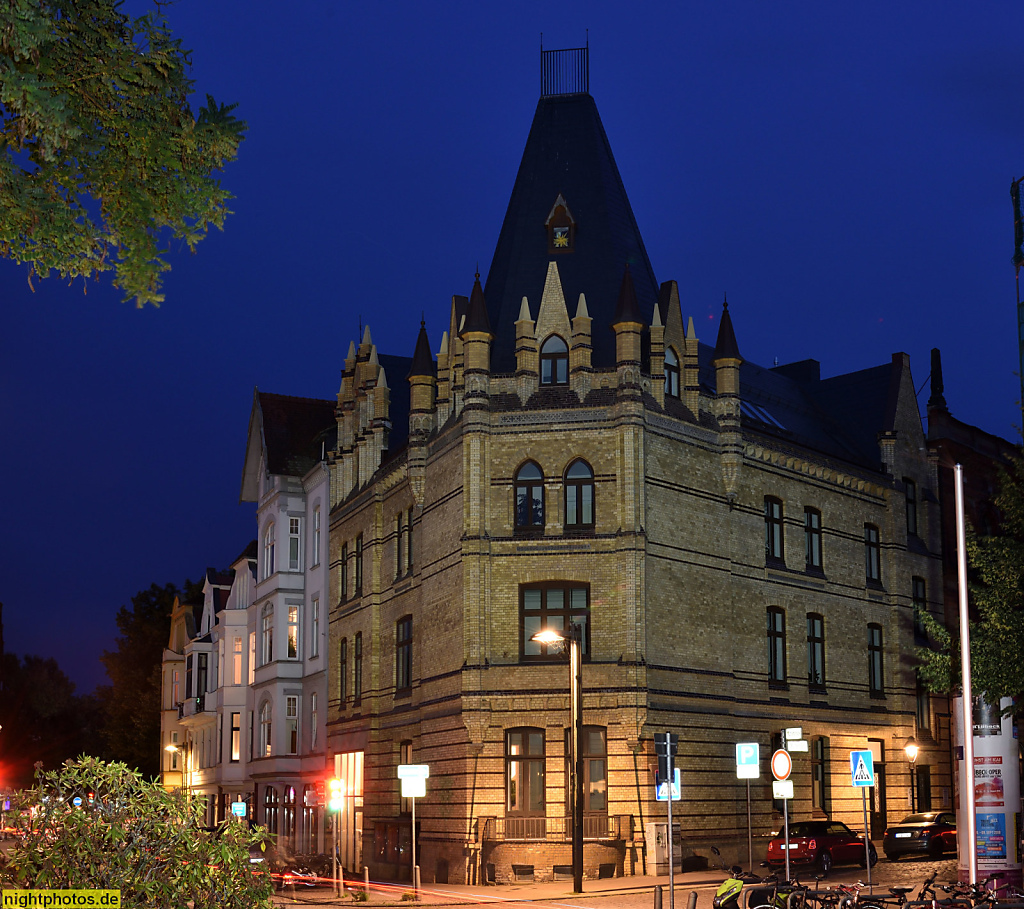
x=862 y=768
x=661 y=792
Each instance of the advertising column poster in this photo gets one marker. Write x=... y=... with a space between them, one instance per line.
x=996 y=792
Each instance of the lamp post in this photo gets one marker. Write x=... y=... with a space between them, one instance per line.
x=911 y=749
x=575 y=638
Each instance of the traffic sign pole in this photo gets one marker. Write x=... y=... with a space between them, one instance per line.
x=867 y=839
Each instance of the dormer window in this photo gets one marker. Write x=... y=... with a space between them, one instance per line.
x=671 y=373
x=554 y=362
x=561 y=228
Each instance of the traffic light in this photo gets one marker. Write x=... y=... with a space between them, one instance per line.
x=334 y=794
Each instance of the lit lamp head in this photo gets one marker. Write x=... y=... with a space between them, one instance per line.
x=170 y=748
x=911 y=749
x=550 y=636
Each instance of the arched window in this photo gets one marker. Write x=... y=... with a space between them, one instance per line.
x=524 y=772
x=554 y=362
x=815 y=651
x=266 y=739
x=343 y=671
x=288 y=815
x=529 y=497
x=671 y=373
x=268 y=550
x=579 y=496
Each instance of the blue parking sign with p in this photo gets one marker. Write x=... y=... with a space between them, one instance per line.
x=748 y=764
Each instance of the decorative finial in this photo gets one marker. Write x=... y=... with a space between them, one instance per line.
x=725 y=300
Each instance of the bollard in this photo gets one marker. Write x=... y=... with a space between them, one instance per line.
x=657 y=896
x=691 y=901
x=366 y=880
x=416 y=881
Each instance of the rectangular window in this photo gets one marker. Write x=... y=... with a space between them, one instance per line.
x=815 y=651
x=343 y=671
x=252 y=732
x=189 y=693
x=174 y=752
x=819 y=774
x=876 y=684
x=403 y=654
x=291 y=717
x=773 y=536
x=524 y=772
x=911 y=493
x=316 y=535
x=314 y=645
x=776 y=645
x=919 y=594
x=312 y=721
x=201 y=674
x=268 y=635
x=872 y=554
x=594 y=751
x=357 y=681
x=293 y=544
x=236 y=660
x=293 y=632
x=359 y=565
x=252 y=657
x=176 y=688
x=236 y=737
x=344 y=571
x=551 y=605
x=221 y=663
x=408 y=542
x=399 y=541
x=924 y=710
x=812 y=538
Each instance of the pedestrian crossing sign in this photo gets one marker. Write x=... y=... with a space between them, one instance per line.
x=862 y=768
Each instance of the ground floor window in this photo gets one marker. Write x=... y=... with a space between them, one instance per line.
x=310 y=820
x=288 y=815
x=270 y=809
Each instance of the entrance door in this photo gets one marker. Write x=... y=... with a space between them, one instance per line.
x=876 y=794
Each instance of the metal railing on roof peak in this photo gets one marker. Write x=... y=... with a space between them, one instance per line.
x=565 y=71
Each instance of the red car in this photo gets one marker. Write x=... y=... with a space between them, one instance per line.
x=825 y=843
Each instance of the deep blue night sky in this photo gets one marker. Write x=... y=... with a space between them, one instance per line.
x=842 y=171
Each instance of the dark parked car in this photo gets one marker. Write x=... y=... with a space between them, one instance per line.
x=826 y=843
x=929 y=833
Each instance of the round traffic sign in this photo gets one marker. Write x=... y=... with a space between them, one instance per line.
x=782 y=765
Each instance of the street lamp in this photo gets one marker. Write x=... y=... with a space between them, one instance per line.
x=575 y=638
x=911 y=749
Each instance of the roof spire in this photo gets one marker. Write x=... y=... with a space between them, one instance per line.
x=422 y=359
x=627 y=309
x=937 y=399
x=476 y=316
x=726 y=347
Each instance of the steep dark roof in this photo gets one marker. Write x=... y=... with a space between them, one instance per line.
x=567 y=152
x=838 y=417
x=476 y=316
x=297 y=431
x=726 y=346
x=422 y=359
x=626 y=309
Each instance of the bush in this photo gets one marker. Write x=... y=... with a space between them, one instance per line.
x=131 y=835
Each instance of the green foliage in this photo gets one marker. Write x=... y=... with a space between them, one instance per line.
x=101 y=157
x=359 y=896
x=42 y=718
x=130 y=835
x=130 y=728
x=997 y=597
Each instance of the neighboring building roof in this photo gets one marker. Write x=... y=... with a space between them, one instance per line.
x=297 y=432
x=567 y=153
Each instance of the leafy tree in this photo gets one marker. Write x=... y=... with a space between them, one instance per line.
x=41 y=718
x=100 y=154
x=997 y=598
x=131 y=835
x=130 y=704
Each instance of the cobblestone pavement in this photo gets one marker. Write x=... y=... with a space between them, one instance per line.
x=620 y=893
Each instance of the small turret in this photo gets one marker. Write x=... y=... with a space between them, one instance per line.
x=727 y=361
x=476 y=338
x=581 y=350
x=527 y=357
x=628 y=325
x=657 y=332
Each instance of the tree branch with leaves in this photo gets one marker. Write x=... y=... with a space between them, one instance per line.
x=101 y=158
